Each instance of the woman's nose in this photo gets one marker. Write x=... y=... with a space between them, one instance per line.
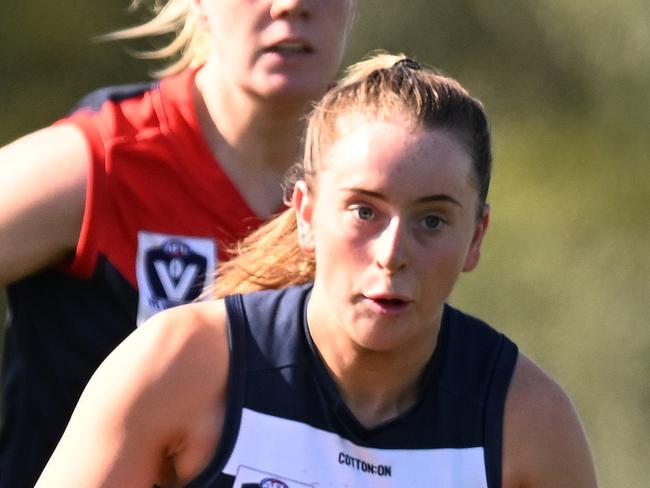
x=390 y=250
x=290 y=8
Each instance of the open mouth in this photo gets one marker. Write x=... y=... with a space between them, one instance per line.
x=388 y=305
x=390 y=302
x=290 y=47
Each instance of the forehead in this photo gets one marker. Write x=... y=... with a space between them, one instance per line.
x=389 y=154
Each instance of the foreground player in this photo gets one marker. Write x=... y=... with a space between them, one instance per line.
x=123 y=208
x=358 y=374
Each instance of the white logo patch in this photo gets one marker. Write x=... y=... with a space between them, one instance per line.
x=252 y=478
x=171 y=270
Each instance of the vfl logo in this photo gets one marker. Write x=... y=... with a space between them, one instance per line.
x=171 y=270
x=247 y=477
x=266 y=483
x=175 y=273
x=272 y=483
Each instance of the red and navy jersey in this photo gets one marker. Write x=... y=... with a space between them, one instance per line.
x=159 y=214
x=286 y=425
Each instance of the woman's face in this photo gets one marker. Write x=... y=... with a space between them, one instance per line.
x=278 y=48
x=392 y=223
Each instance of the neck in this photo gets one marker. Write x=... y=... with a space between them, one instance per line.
x=378 y=389
x=255 y=141
x=376 y=385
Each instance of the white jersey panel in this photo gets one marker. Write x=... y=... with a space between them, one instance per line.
x=286 y=453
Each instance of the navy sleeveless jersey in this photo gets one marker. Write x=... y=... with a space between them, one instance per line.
x=287 y=427
x=159 y=213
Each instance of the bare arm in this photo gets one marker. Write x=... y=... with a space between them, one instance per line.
x=545 y=445
x=153 y=411
x=43 y=180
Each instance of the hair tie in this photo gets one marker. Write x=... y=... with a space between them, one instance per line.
x=408 y=63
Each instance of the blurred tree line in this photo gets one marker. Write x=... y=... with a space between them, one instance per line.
x=565 y=266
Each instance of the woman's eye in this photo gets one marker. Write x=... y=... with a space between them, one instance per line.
x=432 y=222
x=363 y=213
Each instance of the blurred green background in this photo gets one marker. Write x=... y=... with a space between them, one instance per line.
x=565 y=269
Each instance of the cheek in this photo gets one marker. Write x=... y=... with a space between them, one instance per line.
x=230 y=38
x=338 y=251
x=443 y=264
x=330 y=244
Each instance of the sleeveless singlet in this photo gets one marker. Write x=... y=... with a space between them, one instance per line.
x=286 y=426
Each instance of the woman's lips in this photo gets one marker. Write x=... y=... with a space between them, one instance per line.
x=387 y=305
x=289 y=48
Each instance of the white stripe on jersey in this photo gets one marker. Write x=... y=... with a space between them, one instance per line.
x=297 y=455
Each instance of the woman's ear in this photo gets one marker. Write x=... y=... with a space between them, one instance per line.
x=474 y=252
x=303 y=204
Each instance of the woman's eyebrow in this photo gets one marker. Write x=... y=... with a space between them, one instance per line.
x=442 y=197
x=438 y=197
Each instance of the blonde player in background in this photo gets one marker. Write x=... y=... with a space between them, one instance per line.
x=123 y=208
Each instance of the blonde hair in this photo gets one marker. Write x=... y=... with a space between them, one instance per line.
x=380 y=87
x=189 y=46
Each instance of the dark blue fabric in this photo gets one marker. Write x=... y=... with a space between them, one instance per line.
x=94 y=100
x=50 y=355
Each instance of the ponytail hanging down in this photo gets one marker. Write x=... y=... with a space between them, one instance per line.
x=268 y=258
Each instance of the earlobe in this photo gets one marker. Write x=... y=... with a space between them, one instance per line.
x=474 y=251
x=302 y=203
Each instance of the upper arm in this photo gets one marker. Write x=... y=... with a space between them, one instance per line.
x=153 y=411
x=43 y=179
x=545 y=445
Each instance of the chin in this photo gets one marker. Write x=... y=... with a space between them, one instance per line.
x=379 y=341
x=378 y=346
x=292 y=90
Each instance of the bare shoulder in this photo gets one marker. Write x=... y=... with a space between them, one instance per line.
x=195 y=329
x=50 y=158
x=190 y=344
x=545 y=444
x=71 y=137
x=43 y=178
x=180 y=353
x=184 y=352
x=153 y=411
